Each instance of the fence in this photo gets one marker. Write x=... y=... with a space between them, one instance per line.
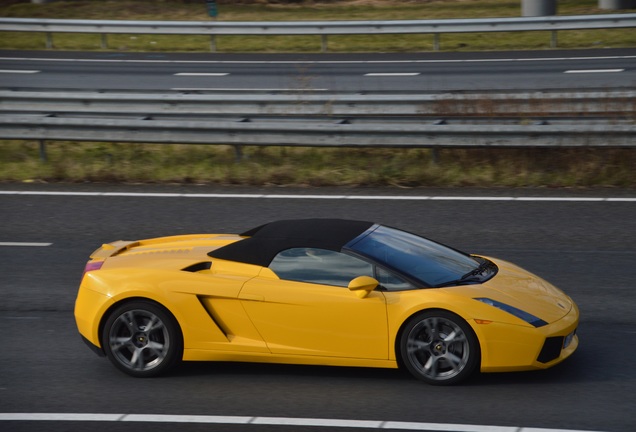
x=602 y=119
x=246 y=104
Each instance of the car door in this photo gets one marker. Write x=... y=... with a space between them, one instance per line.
x=305 y=308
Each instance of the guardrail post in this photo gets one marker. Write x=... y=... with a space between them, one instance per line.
x=554 y=41
x=43 y=156
x=434 y=156
x=49 y=40
x=213 y=43
x=436 y=42
x=238 y=153
x=323 y=43
x=104 y=41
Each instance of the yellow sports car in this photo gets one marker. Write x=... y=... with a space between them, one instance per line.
x=320 y=292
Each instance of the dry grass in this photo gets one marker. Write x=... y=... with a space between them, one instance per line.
x=406 y=168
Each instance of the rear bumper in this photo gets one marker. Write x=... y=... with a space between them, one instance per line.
x=90 y=305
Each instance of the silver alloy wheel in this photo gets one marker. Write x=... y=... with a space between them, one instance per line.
x=139 y=340
x=438 y=349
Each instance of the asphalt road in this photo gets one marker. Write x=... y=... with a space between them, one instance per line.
x=424 y=72
x=584 y=247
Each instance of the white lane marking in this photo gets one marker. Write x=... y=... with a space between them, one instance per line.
x=391 y=74
x=299 y=61
x=166 y=418
x=317 y=422
x=219 y=89
x=272 y=421
x=19 y=244
x=9 y=71
x=59 y=417
x=202 y=74
x=583 y=71
x=322 y=197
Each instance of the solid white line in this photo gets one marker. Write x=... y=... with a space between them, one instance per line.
x=322 y=197
x=448 y=427
x=25 y=244
x=407 y=61
x=9 y=71
x=165 y=418
x=219 y=89
x=59 y=417
x=392 y=74
x=198 y=74
x=287 y=421
x=580 y=71
x=271 y=421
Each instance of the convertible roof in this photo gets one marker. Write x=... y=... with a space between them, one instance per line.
x=263 y=243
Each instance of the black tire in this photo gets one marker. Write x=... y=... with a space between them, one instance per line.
x=142 y=339
x=439 y=347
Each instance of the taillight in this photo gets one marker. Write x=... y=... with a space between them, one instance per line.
x=92 y=265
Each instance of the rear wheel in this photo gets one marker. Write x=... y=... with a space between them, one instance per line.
x=142 y=339
x=439 y=347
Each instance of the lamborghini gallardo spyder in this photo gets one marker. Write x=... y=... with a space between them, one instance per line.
x=320 y=292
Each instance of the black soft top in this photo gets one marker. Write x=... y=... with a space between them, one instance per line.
x=263 y=243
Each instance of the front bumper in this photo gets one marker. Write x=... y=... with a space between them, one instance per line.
x=508 y=347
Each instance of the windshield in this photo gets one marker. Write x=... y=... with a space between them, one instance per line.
x=430 y=263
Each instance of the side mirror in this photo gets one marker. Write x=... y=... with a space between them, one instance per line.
x=363 y=285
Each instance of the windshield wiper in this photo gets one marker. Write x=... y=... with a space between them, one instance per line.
x=473 y=276
x=483 y=267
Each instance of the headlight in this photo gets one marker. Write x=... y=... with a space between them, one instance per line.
x=527 y=317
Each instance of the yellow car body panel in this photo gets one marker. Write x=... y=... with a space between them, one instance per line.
x=232 y=311
x=317 y=320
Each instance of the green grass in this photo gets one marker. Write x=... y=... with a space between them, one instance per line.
x=313 y=167
x=307 y=10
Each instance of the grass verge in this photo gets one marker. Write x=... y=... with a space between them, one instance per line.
x=313 y=167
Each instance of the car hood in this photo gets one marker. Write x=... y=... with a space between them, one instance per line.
x=519 y=288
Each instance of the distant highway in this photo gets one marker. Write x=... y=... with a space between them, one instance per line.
x=434 y=72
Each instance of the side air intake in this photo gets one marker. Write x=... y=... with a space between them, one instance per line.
x=205 y=265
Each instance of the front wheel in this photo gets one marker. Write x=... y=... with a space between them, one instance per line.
x=142 y=339
x=439 y=347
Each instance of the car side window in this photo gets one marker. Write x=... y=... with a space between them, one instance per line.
x=320 y=266
x=391 y=282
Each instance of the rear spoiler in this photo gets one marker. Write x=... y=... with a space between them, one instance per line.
x=111 y=249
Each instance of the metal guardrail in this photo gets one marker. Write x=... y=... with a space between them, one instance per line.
x=540 y=103
x=321 y=120
x=309 y=134
x=319 y=28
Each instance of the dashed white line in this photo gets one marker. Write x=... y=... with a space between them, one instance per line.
x=584 y=71
x=9 y=71
x=202 y=74
x=271 y=421
x=392 y=74
x=221 y=89
x=322 y=197
x=24 y=244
